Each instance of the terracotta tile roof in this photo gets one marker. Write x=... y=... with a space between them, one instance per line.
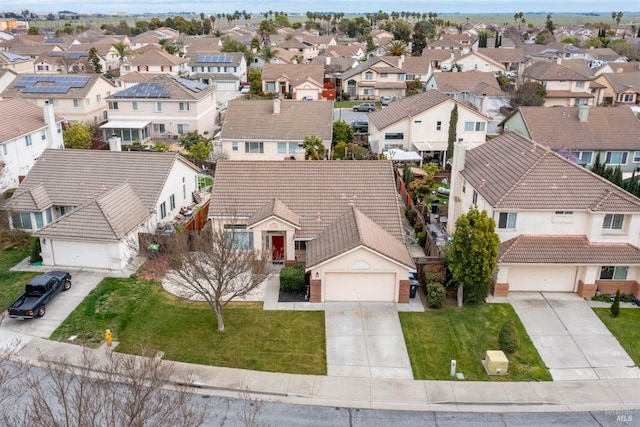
x=274 y=208
x=475 y=82
x=513 y=172
x=503 y=55
x=109 y=216
x=549 y=70
x=369 y=64
x=319 y=192
x=605 y=129
x=621 y=82
x=294 y=73
x=565 y=249
x=296 y=120
x=416 y=65
x=73 y=177
x=156 y=57
x=20 y=117
x=352 y=230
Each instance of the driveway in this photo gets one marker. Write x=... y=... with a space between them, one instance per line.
x=570 y=338
x=365 y=340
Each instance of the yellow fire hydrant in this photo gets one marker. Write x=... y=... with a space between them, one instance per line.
x=108 y=337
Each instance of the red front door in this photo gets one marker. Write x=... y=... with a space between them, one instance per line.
x=277 y=248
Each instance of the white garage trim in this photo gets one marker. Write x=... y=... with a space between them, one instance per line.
x=360 y=286
x=542 y=278
x=81 y=254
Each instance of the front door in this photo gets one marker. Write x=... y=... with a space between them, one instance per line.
x=277 y=248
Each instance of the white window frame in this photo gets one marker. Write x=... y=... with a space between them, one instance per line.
x=636 y=157
x=157 y=107
x=254 y=147
x=616 y=270
x=613 y=222
x=183 y=106
x=510 y=219
x=28 y=141
x=609 y=154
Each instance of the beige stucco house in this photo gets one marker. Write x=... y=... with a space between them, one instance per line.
x=620 y=89
x=294 y=81
x=375 y=77
x=155 y=62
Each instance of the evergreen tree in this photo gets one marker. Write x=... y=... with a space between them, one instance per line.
x=615 y=307
x=94 y=59
x=598 y=167
x=616 y=176
x=453 y=124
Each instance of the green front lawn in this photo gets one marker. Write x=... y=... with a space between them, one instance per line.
x=624 y=328
x=135 y=310
x=12 y=283
x=434 y=338
x=350 y=104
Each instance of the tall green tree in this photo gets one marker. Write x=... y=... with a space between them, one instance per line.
x=342 y=132
x=396 y=48
x=78 y=136
x=122 y=49
x=453 y=135
x=94 y=60
x=313 y=147
x=473 y=254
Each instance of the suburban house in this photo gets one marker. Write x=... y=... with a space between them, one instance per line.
x=583 y=133
x=341 y=220
x=565 y=86
x=294 y=81
x=87 y=206
x=75 y=97
x=620 y=89
x=353 y=50
x=304 y=50
x=156 y=62
x=162 y=107
x=227 y=70
x=421 y=123
x=63 y=63
x=375 y=77
x=511 y=59
x=477 y=89
x=562 y=228
x=17 y=63
x=476 y=61
x=277 y=128
x=26 y=130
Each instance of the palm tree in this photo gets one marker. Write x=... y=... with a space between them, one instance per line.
x=265 y=29
x=268 y=53
x=313 y=147
x=122 y=49
x=396 y=48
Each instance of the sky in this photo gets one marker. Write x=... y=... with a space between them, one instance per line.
x=346 y=6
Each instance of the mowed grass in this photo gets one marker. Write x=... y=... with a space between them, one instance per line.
x=12 y=283
x=626 y=329
x=139 y=310
x=434 y=338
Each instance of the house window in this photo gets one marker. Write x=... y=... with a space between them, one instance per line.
x=39 y=223
x=157 y=107
x=4 y=149
x=28 y=140
x=507 y=220
x=234 y=146
x=300 y=245
x=636 y=157
x=368 y=75
x=62 y=210
x=241 y=239
x=563 y=213
x=474 y=126
x=394 y=135
x=163 y=210
x=367 y=91
x=613 y=222
x=400 y=77
x=625 y=97
x=182 y=129
x=158 y=127
x=271 y=87
x=21 y=220
x=98 y=98
x=49 y=215
x=87 y=102
x=77 y=103
x=184 y=189
x=579 y=84
x=474 y=197
x=136 y=106
x=43 y=135
x=438 y=126
x=616 y=158
x=282 y=148
x=172 y=202
x=384 y=74
x=113 y=105
x=584 y=157
x=254 y=147
x=184 y=106
x=613 y=273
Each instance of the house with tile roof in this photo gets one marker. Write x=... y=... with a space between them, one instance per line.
x=226 y=70
x=26 y=130
x=75 y=97
x=63 y=63
x=293 y=81
x=277 y=128
x=157 y=62
x=620 y=89
x=87 y=206
x=511 y=59
x=421 y=123
x=476 y=61
x=162 y=107
x=565 y=85
x=341 y=220
x=562 y=228
x=374 y=78
x=475 y=88
x=302 y=48
x=16 y=63
x=583 y=132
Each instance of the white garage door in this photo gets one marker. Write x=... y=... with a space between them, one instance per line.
x=550 y=279
x=360 y=287
x=227 y=86
x=79 y=254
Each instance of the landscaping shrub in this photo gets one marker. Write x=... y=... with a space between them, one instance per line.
x=411 y=215
x=292 y=278
x=35 y=250
x=509 y=340
x=18 y=239
x=615 y=307
x=433 y=273
x=436 y=295
x=421 y=237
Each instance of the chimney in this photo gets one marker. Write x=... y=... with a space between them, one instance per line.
x=459 y=153
x=401 y=61
x=327 y=60
x=49 y=116
x=52 y=129
x=559 y=60
x=115 y=143
x=583 y=113
x=276 y=106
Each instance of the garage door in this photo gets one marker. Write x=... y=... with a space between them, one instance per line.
x=227 y=86
x=550 y=279
x=78 y=254
x=360 y=287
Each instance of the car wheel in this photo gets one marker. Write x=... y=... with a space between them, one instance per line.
x=67 y=285
x=370 y=109
x=41 y=311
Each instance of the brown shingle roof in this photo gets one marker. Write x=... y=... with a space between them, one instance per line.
x=621 y=82
x=549 y=70
x=19 y=117
x=513 y=172
x=296 y=120
x=605 y=128
x=503 y=55
x=318 y=192
x=294 y=73
x=565 y=249
x=475 y=82
x=156 y=57
x=353 y=229
x=275 y=208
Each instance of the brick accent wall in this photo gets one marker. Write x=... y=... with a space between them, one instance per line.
x=315 y=290
x=501 y=290
x=290 y=263
x=585 y=290
x=405 y=290
x=625 y=286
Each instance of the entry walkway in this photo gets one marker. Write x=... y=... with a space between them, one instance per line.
x=571 y=339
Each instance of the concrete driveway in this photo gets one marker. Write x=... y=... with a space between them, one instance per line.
x=364 y=340
x=570 y=338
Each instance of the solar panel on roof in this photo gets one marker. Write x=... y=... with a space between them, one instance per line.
x=192 y=85
x=215 y=58
x=14 y=57
x=54 y=40
x=144 y=90
x=51 y=84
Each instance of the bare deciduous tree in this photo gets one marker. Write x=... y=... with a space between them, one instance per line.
x=218 y=266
